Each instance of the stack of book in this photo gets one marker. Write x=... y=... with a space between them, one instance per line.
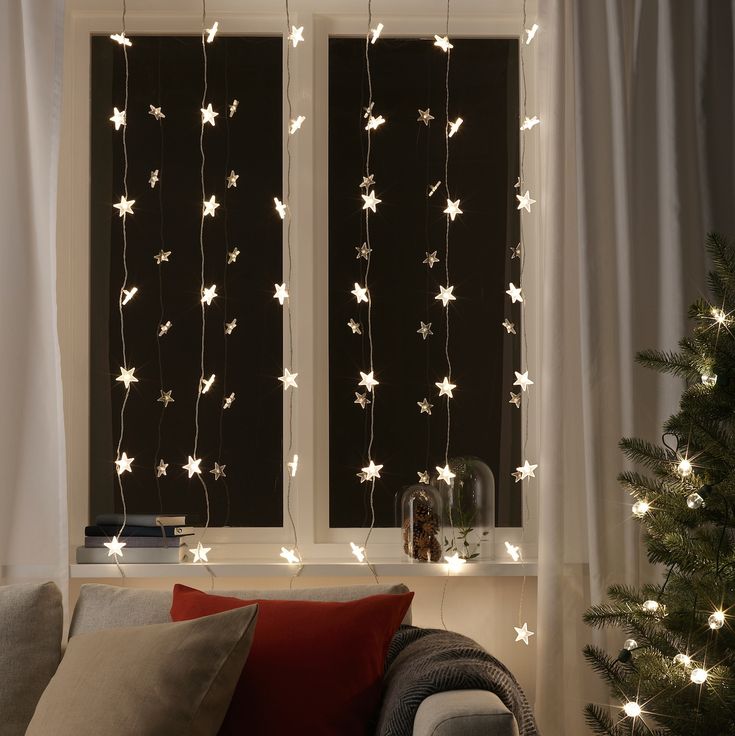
x=148 y=538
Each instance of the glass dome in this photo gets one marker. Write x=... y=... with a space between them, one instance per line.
x=469 y=509
x=421 y=525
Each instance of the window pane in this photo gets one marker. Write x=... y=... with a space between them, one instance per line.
x=247 y=438
x=408 y=157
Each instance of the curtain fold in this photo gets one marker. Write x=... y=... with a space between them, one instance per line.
x=636 y=103
x=33 y=515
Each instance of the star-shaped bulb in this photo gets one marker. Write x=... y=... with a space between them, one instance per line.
x=372 y=471
x=433 y=187
x=208 y=115
x=127 y=376
x=361 y=293
x=123 y=464
x=229 y=400
x=454 y=562
x=296 y=36
x=531 y=33
x=515 y=399
x=445 y=473
x=374 y=123
x=523 y=634
x=129 y=294
x=454 y=128
x=526 y=470
x=425 y=116
x=358 y=552
x=162 y=256
x=281 y=293
x=446 y=388
x=232 y=255
x=230 y=326
x=368 y=380
x=424 y=406
x=355 y=327
x=212 y=32
x=423 y=477
x=296 y=124
x=510 y=327
x=515 y=252
x=207 y=383
x=192 y=466
x=201 y=552
x=156 y=112
x=231 y=179
x=280 y=208
x=370 y=201
x=288 y=379
x=166 y=398
x=115 y=547
x=530 y=123
x=233 y=107
x=121 y=38
x=525 y=201
x=293 y=466
x=118 y=118
x=125 y=206
x=161 y=468
x=514 y=292
x=375 y=32
x=361 y=399
x=209 y=206
x=363 y=251
x=367 y=182
x=513 y=552
x=153 y=179
x=289 y=555
x=424 y=330
x=452 y=209
x=431 y=258
x=208 y=294
x=522 y=380
x=446 y=295
x=218 y=471
x=443 y=43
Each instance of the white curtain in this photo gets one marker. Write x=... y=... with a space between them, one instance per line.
x=637 y=165
x=33 y=517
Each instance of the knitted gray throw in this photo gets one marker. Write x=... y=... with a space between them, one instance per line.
x=422 y=662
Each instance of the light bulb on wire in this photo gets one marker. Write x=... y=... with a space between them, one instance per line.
x=632 y=709
x=698 y=676
x=716 y=620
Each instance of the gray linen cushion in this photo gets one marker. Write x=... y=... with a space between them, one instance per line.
x=31 y=626
x=175 y=678
x=109 y=606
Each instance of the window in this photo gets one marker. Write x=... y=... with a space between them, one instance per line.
x=407 y=160
x=166 y=71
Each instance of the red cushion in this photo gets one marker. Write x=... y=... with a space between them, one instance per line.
x=315 y=668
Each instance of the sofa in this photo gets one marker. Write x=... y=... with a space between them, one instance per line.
x=453 y=713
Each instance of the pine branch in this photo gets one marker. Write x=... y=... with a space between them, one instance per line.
x=608 y=668
x=670 y=362
x=647 y=454
x=599 y=720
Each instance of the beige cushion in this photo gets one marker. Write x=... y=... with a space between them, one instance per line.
x=31 y=625
x=109 y=606
x=464 y=713
x=175 y=678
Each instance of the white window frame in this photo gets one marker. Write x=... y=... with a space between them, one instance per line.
x=309 y=202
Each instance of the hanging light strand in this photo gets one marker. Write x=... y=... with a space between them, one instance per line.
x=292 y=463
x=158 y=182
x=193 y=463
x=367 y=209
x=122 y=462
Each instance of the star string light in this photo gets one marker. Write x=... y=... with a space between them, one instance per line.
x=166 y=398
x=124 y=463
x=288 y=379
x=530 y=123
x=129 y=294
x=162 y=256
x=433 y=188
x=153 y=179
x=368 y=380
x=425 y=406
x=423 y=477
x=375 y=32
x=228 y=401
x=370 y=201
x=525 y=201
x=192 y=466
x=453 y=130
x=523 y=634
x=293 y=466
x=212 y=32
x=514 y=292
x=232 y=256
x=526 y=471
x=209 y=206
x=233 y=107
x=358 y=552
x=445 y=474
x=121 y=38
x=290 y=556
x=431 y=258
x=207 y=384
x=523 y=380
x=156 y=112
x=201 y=552
x=425 y=117
x=125 y=206
x=231 y=179
x=425 y=329
x=531 y=33
x=161 y=468
x=296 y=36
x=208 y=294
x=118 y=118
x=127 y=376
x=446 y=388
x=361 y=399
x=355 y=327
x=281 y=293
x=115 y=547
x=454 y=562
x=218 y=471
x=361 y=293
x=280 y=208
x=208 y=115
x=296 y=124
x=363 y=251
x=230 y=326
x=443 y=43
x=452 y=209
x=510 y=328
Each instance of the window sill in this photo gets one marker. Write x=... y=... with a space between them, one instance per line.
x=265 y=568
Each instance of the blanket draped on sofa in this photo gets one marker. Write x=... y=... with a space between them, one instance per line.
x=422 y=662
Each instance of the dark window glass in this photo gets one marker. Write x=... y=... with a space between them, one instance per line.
x=167 y=72
x=408 y=157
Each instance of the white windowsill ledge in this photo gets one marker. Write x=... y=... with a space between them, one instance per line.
x=322 y=568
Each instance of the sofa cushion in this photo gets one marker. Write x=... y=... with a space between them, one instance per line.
x=464 y=713
x=31 y=626
x=109 y=606
x=316 y=667
x=148 y=680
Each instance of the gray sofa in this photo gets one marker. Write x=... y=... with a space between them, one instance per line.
x=455 y=713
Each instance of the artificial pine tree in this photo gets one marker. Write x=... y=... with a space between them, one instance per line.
x=675 y=673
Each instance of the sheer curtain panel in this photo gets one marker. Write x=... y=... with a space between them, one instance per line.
x=33 y=516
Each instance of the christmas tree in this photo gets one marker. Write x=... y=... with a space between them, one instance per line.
x=675 y=673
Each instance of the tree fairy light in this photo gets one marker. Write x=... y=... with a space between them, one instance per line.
x=640 y=508
x=716 y=620
x=684 y=468
x=699 y=676
x=632 y=709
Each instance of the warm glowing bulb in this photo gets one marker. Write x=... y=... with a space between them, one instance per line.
x=280 y=208
x=293 y=466
x=716 y=620
x=115 y=547
x=683 y=659
x=695 y=501
x=372 y=471
x=123 y=464
x=207 y=383
x=719 y=316
x=288 y=379
x=452 y=209
x=129 y=294
x=684 y=468
x=632 y=709
x=443 y=43
x=212 y=32
x=513 y=551
x=445 y=474
x=709 y=379
x=641 y=508
x=376 y=32
x=296 y=36
x=651 y=606
x=368 y=380
x=630 y=644
x=358 y=552
x=289 y=555
x=454 y=562
x=531 y=33
x=200 y=553
x=698 y=676
x=454 y=127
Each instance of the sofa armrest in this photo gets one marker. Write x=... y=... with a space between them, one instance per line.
x=464 y=713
